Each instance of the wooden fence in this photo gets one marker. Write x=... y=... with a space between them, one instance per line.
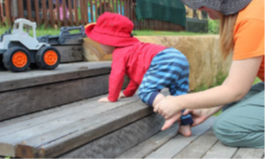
x=75 y=12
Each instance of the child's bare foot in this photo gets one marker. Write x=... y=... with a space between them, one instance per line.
x=185 y=130
x=170 y=121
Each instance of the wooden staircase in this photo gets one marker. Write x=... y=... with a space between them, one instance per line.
x=54 y=113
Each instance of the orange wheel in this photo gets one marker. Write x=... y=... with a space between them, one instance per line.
x=50 y=57
x=19 y=59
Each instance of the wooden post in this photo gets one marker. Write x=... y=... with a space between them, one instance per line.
x=8 y=13
x=1 y=13
x=58 y=13
x=96 y=9
x=64 y=13
x=44 y=13
x=70 y=12
x=85 y=11
x=76 y=13
x=126 y=7
x=29 y=10
x=37 y=15
x=51 y=13
x=20 y=9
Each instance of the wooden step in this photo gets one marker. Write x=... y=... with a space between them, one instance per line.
x=35 y=90
x=71 y=51
x=202 y=144
x=167 y=143
x=72 y=128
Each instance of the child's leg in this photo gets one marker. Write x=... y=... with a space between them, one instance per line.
x=162 y=71
x=180 y=86
x=167 y=69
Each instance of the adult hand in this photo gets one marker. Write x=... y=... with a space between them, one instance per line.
x=167 y=107
x=103 y=99
x=169 y=122
x=200 y=115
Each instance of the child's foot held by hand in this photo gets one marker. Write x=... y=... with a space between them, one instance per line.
x=185 y=130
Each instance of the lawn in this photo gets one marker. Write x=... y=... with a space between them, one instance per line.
x=49 y=31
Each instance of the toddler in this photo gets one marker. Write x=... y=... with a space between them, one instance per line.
x=149 y=67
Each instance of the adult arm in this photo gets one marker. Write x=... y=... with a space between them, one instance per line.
x=239 y=81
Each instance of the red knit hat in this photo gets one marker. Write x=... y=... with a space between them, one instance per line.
x=112 y=29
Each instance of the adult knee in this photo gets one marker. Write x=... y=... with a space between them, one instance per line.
x=231 y=133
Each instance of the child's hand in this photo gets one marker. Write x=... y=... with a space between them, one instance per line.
x=104 y=99
x=121 y=95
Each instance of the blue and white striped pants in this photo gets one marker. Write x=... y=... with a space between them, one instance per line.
x=170 y=69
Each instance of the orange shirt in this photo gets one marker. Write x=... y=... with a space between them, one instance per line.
x=249 y=34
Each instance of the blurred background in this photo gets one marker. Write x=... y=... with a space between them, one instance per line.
x=158 y=15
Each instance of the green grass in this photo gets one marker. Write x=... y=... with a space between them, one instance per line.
x=40 y=31
x=257 y=80
x=164 y=33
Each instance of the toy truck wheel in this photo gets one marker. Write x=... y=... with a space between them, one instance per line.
x=48 y=58
x=16 y=59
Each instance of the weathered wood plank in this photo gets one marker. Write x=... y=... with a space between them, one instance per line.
x=34 y=99
x=220 y=151
x=12 y=133
x=31 y=120
x=70 y=53
x=81 y=132
x=72 y=42
x=67 y=114
x=64 y=72
x=119 y=141
x=249 y=153
x=198 y=147
x=178 y=143
x=146 y=147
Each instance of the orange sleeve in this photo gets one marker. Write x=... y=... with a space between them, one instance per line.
x=248 y=39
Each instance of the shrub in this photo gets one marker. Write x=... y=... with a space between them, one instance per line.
x=213 y=26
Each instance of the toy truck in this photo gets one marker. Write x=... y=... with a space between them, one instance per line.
x=64 y=36
x=21 y=49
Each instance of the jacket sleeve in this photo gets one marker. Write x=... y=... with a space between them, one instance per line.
x=130 y=89
x=116 y=80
